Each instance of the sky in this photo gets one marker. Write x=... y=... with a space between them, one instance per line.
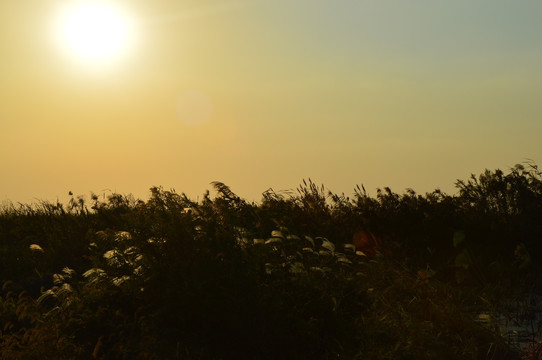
x=263 y=94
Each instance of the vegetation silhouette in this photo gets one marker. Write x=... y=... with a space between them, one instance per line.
x=301 y=275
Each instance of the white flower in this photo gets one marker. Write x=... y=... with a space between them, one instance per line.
x=68 y=272
x=110 y=254
x=350 y=247
x=36 y=247
x=119 y=280
x=123 y=236
x=94 y=272
x=328 y=245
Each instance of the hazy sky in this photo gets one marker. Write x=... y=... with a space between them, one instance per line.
x=261 y=94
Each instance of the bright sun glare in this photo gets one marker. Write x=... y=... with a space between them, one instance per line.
x=94 y=32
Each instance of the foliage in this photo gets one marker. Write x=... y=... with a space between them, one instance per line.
x=222 y=278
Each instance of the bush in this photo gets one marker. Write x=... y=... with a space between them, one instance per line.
x=224 y=279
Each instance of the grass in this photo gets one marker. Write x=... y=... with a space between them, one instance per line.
x=170 y=278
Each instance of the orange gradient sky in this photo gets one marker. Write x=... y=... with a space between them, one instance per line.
x=261 y=94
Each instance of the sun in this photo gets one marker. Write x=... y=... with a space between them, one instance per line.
x=94 y=32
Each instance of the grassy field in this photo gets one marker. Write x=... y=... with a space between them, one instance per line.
x=171 y=278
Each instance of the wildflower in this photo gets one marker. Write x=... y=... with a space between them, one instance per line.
x=123 y=236
x=94 y=272
x=328 y=245
x=119 y=280
x=36 y=247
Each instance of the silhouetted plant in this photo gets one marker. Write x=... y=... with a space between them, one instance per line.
x=223 y=278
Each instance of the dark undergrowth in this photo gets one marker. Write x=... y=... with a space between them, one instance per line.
x=171 y=278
